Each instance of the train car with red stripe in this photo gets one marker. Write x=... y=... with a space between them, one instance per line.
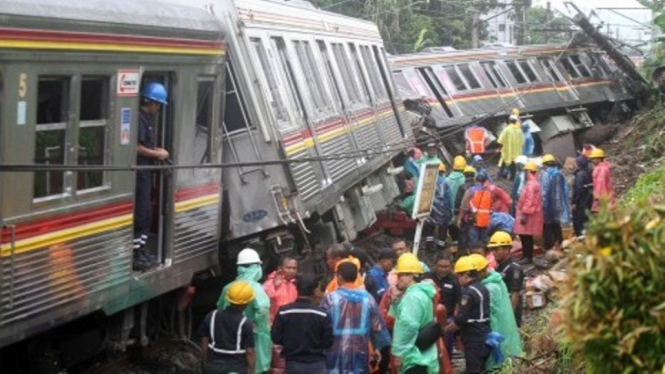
x=575 y=83
x=70 y=78
x=311 y=104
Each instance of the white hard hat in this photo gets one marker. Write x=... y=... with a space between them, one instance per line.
x=513 y=117
x=248 y=256
x=521 y=159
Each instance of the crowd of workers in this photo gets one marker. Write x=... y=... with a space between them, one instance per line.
x=399 y=316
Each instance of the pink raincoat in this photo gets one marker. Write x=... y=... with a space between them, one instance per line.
x=602 y=185
x=530 y=205
x=284 y=294
x=501 y=201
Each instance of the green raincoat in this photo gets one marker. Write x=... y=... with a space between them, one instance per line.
x=258 y=311
x=455 y=180
x=414 y=311
x=502 y=318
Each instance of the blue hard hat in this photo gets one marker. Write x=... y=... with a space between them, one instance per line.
x=155 y=92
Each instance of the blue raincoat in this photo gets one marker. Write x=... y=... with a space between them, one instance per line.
x=554 y=190
x=479 y=164
x=441 y=212
x=518 y=186
x=356 y=320
x=412 y=167
x=501 y=222
x=529 y=144
x=258 y=311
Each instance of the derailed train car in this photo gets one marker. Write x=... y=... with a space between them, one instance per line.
x=313 y=89
x=70 y=75
x=563 y=88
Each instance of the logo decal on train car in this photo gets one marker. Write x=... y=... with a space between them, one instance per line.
x=128 y=83
x=254 y=215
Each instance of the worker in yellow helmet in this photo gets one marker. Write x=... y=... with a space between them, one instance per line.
x=602 y=180
x=227 y=336
x=556 y=206
x=501 y=244
x=473 y=316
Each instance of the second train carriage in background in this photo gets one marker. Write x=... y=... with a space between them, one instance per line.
x=559 y=85
x=305 y=83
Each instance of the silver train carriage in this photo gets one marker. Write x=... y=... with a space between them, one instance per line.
x=70 y=75
x=312 y=88
x=558 y=84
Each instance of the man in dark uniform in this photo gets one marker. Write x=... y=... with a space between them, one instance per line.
x=449 y=290
x=510 y=270
x=153 y=97
x=473 y=316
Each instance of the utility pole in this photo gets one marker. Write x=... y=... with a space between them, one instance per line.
x=475 y=26
x=548 y=19
x=519 y=22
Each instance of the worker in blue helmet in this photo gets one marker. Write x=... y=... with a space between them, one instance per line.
x=153 y=96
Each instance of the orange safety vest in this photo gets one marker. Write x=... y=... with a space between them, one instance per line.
x=476 y=140
x=481 y=207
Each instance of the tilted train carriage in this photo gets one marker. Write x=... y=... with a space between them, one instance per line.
x=544 y=81
x=70 y=74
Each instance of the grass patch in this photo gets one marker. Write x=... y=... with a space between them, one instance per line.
x=648 y=187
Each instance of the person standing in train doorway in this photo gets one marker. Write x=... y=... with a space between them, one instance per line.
x=153 y=96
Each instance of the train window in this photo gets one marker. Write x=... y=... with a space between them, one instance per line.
x=273 y=93
x=373 y=72
x=417 y=83
x=313 y=76
x=517 y=73
x=492 y=74
x=598 y=67
x=548 y=69
x=581 y=67
x=342 y=60
x=570 y=69
x=92 y=130
x=204 y=107
x=51 y=127
x=455 y=78
x=469 y=76
x=528 y=70
x=403 y=85
x=235 y=111
x=337 y=94
x=360 y=72
x=283 y=60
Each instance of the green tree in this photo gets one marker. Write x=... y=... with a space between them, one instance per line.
x=537 y=23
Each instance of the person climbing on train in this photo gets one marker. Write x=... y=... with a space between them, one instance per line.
x=462 y=223
x=227 y=336
x=477 y=139
x=455 y=180
x=602 y=180
x=440 y=214
x=582 y=198
x=475 y=210
x=258 y=311
x=556 y=208
x=512 y=143
x=529 y=214
x=518 y=183
x=529 y=144
x=153 y=97
x=473 y=316
x=502 y=320
x=356 y=321
x=412 y=313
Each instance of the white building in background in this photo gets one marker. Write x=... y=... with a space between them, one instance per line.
x=500 y=25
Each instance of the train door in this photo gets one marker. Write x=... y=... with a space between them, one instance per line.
x=154 y=239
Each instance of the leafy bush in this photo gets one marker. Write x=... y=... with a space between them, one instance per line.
x=615 y=298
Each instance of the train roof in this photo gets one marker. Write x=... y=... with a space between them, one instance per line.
x=441 y=56
x=131 y=17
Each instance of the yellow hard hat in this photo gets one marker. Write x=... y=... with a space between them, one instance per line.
x=408 y=263
x=459 y=163
x=597 y=153
x=548 y=158
x=500 y=239
x=442 y=168
x=479 y=261
x=470 y=170
x=464 y=264
x=240 y=293
x=531 y=166
x=515 y=112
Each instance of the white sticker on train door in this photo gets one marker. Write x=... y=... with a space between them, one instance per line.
x=125 y=125
x=21 y=110
x=128 y=83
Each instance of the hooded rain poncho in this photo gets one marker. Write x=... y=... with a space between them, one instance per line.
x=512 y=141
x=602 y=185
x=554 y=189
x=502 y=318
x=455 y=180
x=258 y=311
x=413 y=312
x=441 y=210
x=529 y=144
x=356 y=320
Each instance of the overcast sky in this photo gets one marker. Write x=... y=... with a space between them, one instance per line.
x=628 y=30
